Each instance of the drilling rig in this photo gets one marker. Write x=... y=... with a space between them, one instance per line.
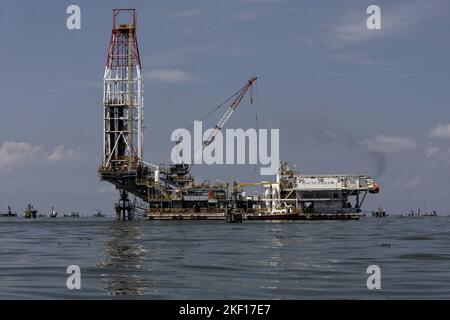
x=170 y=191
x=164 y=188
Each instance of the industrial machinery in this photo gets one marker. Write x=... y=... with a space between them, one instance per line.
x=170 y=191
x=166 y=189
x=310 y=196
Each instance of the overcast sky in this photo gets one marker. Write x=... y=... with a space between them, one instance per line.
x=346 y=99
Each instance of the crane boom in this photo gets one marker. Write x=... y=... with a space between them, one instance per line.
x=234 y=105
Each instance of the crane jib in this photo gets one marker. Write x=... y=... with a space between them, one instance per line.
x=240 y=95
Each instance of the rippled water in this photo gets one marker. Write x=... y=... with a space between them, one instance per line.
x=215 y=260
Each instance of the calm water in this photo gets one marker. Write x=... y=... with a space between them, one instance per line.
x=215 y=260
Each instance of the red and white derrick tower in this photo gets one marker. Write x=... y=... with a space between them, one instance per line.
x=123 y=99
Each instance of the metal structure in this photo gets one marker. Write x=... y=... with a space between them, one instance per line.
x=311 y=196
x=234 y=105
x=170 y=192
x=123 y=104
x=123 y=99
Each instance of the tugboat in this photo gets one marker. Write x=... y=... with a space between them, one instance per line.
x=9 y=214
x=30 y=212
x=54 y=214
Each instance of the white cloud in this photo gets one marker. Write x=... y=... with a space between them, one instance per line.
x=62 y=154
x=171 y=76
x=431 y=151
x=440 y=131
x=14 y=155
x=386 y=144
x=437 y=156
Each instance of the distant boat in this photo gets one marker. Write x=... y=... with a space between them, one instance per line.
x=9 y=213
x=30 y=212
x=380 y=213
x=75 y=214
x=99 y=214
x=54 y=214
x=419 y=214
x=430 y=214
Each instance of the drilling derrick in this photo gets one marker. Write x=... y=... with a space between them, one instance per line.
x=122 y=107
x=122 y=99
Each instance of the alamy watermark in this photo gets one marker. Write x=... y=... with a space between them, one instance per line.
x=73 y=21
x=241 y=146
x=374 y=20
x=74 y=280
x=374 y=280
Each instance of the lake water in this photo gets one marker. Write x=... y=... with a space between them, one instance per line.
x=216 y=260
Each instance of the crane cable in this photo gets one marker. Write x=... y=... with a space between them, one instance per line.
x=256 y=113
x=214 y=110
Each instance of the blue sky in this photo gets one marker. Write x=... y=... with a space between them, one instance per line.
x=346 y=99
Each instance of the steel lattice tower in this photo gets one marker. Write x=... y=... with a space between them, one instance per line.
x=123 y=99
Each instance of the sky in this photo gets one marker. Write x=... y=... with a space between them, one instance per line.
x=345 y=99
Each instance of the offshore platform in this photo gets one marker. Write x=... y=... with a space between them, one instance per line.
x=170 y=191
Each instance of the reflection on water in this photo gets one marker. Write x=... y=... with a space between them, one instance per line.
x=123 y=260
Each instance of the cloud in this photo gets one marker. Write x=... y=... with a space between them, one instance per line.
x=386 y=144
x=437 y=156
x=15 y=155
x=440 y=131
x=170 y=76
x=431 y=151
x=62 y=154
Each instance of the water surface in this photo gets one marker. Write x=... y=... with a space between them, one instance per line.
x=215 y=260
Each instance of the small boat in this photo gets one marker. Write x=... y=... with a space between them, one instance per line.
x=430 y=214
x=74 y=214
x=30 y=212
x=99 y=214
x=282 y=214
x=54 y=214
x=9 y=213
x=380 y=213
